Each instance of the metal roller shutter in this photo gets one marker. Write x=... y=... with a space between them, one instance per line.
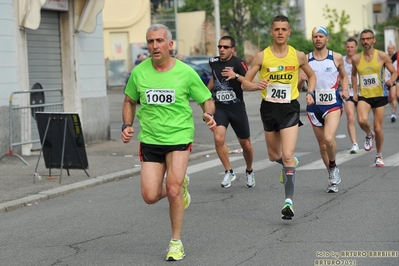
x=44 y=62
x=44 y=52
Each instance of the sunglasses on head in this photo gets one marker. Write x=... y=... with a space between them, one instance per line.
x=224 y=46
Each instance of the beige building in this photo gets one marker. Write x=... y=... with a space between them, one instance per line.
x=311 y=14
x=125 y=23
x=192 y=36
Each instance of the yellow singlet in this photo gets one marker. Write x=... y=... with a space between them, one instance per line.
x=371 y=77
x=282 y=74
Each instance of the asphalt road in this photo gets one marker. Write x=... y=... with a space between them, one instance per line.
x=110 y=224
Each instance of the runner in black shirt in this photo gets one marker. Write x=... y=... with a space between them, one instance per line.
x=228 y=73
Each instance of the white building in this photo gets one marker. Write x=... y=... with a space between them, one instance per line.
x=385 y=9
x=59 y=44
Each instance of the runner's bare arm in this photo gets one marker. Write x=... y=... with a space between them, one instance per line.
x=303 y=63
x=248 y=84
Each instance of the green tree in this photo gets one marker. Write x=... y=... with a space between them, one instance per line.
x=337 y=36
x=379 y=44
x=242 y=19
x=299 y=42
x=250 y=20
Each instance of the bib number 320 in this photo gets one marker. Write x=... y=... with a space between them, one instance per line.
x=325 y=96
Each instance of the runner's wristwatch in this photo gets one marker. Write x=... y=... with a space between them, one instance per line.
x=125 y=126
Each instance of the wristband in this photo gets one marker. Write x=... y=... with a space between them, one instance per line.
x=310 y=93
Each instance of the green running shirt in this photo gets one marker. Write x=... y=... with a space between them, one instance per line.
x=165 y=114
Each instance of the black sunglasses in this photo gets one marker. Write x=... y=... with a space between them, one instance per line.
x=224 y=46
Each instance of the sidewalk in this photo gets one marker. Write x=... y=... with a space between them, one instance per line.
x=108 y=161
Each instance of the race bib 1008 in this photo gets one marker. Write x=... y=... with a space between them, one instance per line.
x=160 y=96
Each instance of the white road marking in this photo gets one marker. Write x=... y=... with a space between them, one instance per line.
x=342 y=157
x=209 y=164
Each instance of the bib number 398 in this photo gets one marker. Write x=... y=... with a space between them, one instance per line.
x=369 y=81
x=160 y=96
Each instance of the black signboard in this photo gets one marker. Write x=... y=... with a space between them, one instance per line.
x=62 y=141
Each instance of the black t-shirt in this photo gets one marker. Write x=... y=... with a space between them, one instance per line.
x=227 y=92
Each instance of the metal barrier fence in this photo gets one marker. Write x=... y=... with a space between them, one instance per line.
x=22 y=123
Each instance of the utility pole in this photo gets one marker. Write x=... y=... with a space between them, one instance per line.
x=176 y=31
x=217 y=21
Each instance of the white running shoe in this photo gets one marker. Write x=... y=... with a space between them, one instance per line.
x=354 y=149
x=368 y=142
x=333 y=176
x=250 y=180
x=227 y=179
x=379 y=162
x=332 y=188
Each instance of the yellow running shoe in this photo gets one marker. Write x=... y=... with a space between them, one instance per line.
x=175 y=251
x=296 y=160
x=186 y=195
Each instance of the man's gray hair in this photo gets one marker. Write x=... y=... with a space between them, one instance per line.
x=161 y=26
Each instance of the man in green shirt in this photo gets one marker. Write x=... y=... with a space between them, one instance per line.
x=164 y=86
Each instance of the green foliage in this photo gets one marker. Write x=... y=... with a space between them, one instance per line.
x=251 y=20
x=337 y=38
x=379 y=44
x=297 y=41
x=242 y=19
x=195 y=5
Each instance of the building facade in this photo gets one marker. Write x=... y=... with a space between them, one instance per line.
x=125 y=23
x=385 y=9
x=311 y=14
x=59 y=45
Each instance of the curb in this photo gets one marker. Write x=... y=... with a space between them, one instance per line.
x=64 y=190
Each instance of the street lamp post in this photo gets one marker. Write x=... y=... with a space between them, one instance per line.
x=217 y=21
x=176 y=31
